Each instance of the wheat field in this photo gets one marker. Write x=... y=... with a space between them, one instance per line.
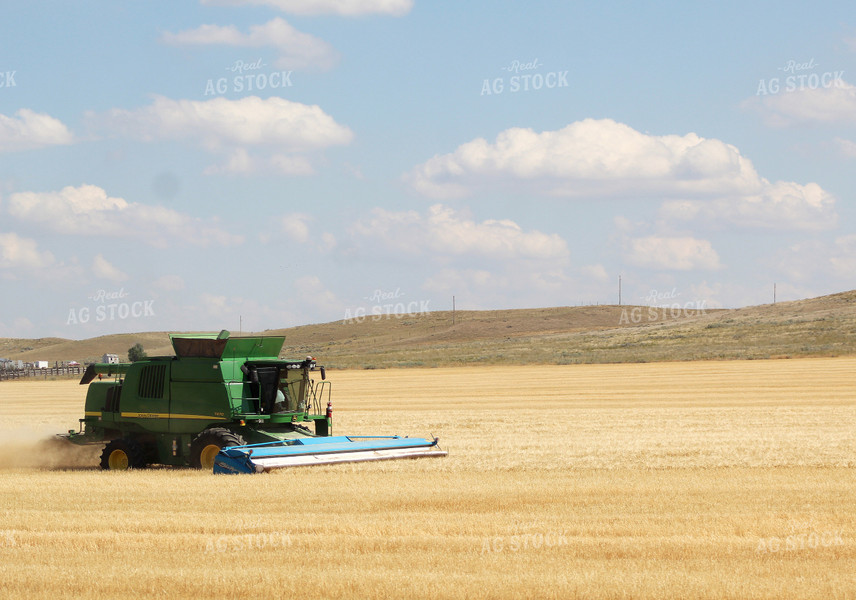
x=691 y=479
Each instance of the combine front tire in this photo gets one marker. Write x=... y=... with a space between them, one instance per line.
x=207 y=444
x=123 y=454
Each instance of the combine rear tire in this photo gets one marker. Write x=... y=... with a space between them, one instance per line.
x=123 y=454
x=207 y=444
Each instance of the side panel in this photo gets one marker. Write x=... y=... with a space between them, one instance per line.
x=200 y=399
x=197 y=405
x=96 y=397
x=146 y=396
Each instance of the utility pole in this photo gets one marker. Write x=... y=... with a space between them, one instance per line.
x=619 y=290
x=453 y=310
x=774 y=292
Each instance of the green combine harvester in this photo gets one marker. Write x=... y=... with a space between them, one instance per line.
x=225 y=404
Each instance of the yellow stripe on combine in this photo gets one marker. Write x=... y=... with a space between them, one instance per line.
x=92 y=413
x=140 y=415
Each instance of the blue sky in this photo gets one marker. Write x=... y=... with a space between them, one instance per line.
x=402 y=152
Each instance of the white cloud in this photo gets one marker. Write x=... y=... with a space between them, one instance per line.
x=588 y=158
x=678 y=253
x=17 y=252
x=833 y=104
x=602 y=158
x=296 y=227
x=780 y=205
x=596 y=272
x=442 y=231
x=29 y=130
x=103 y=269
x=88 y=210
x=483 y=262
x=239 y=162
x=297 y=50
x=218 y=123
x=345 y=8
x=285 y=129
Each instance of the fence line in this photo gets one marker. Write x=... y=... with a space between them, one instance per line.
x=50 y=371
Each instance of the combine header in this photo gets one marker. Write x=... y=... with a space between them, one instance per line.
x=221 y=403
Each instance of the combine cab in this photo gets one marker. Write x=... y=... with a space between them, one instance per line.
x=221 y=393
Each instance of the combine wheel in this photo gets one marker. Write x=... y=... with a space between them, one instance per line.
x=123 y=454
x=207 y=444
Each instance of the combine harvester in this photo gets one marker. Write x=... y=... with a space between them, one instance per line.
x=221 y=403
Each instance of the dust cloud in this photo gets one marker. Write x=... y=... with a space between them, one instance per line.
x=35 y=450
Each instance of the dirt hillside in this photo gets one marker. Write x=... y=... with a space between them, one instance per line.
x=821 y=326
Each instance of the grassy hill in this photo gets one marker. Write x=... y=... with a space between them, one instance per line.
x=822 y=326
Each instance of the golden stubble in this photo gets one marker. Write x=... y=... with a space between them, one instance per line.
x=722 y=479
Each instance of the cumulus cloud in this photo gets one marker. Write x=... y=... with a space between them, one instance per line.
x=297 y=50
x=17 y=252
x=606 y=159
x=284 y=129
x=296 y=227
x=249 y=121
x=88 y=210
x=677 y=253
x=103 y=269
x=443 y=231
x=780 y=205
x=596 y=272
x=835 y=103
x=588 y=158
x=345 y=8
x=28 y=130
